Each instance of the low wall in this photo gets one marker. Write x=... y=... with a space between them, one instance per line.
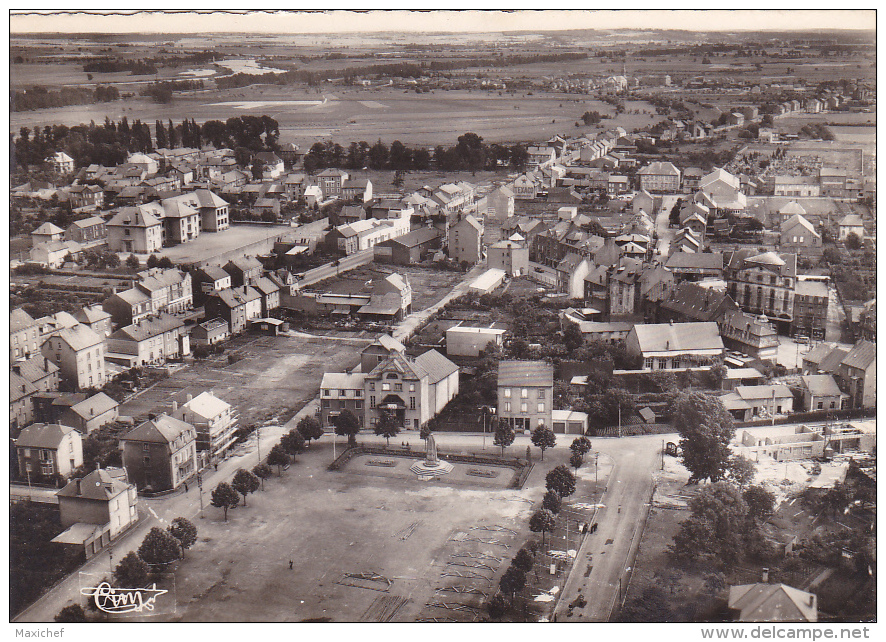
x=329 y=270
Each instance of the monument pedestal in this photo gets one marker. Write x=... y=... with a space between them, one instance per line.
x=431 y=467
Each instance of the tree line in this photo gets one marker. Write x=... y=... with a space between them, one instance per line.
x=42 y=98
x=470 y=153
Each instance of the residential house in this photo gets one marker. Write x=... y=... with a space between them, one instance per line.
x=170 y=289
x=213 y=211
x=500 y=205
x=348 y=214
x=44 y=450
x=215 y=421
x=660 y=177
x=765 y=602
x=160 y=454
x=540 y=156
x=136 y=229
x=54 y=254
x=357 y=189
x=823 y=358
x=379 y=350
x=92 y=413
x=624 y=283
x=675 y=346
x=764 y=283
x=238 y=306
x=88 y=232
x=763 y=401
x=150 y=341
x=511 y=256
x=857 y=374
x=331 y=182
x=61 y=163
x=820 y=392
x=39 y=371
x=464 y=341
x=21 y=405
x=47 y=233
x=525 y=394
x=524 y=188
x=795 y=186
x=799 y=236
x=688 y=266
x=270 y=295
x=750 y=335
x=415 y=390
x=643 y=201
x=210 y=332
x=341 y=391
x=810 y=314
x=271 y=164
x=79 y=354
x=410 y=248
x=244 y=271
x=391 y=299
x=851 y=224
x=571 y=273
x=209 y=279
x=181 y=219
x=688 y=302
x=24 y=335
x=95 y=318
x=128 y=306
x=96 y=509
x=466 y=240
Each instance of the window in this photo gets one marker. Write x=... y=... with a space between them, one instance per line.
x=507 y=393
x=524 y=393
x=412 y=403
x=411 y=387
x=648 y=363
x=541 y=393
x=359 y=405
x=358 y=393
x=820 y=405
x=326 y=403
x=541 y=406
x=146 y=447
x=372 y=385
x=342 y=393
x=398 y=387
x=327 y=392
x=391 y=375
x=833 y=405
x=524 y=407
x=372 y=401
x=507 y=406
x=385 y=387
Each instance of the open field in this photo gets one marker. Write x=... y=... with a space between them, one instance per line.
x=275 y=377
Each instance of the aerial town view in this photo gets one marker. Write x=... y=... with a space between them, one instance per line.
x=393 y=316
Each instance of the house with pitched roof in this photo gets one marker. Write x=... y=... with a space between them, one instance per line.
x=245 y=270
x=330 y=181
x=771 y=603
x=96 y=509
x=151 y=340
x=170 y=289
x=44 y=450
x=61 y=163
x=510 y=255
x=160 y=454
x=21 y=405
x=181 y=219
x=525 y=394
x=215 y=421
x=208 y=279
x=724 y=189
x=675 y=346
x=857 y=374
x=851 y=224
x=821 y=392
x=797 y=234
x=763 y=283
x=53 y=254
x=95 y=318
x=408 y=249
x=79 y=354
x=342 y=391
x=499 y=205
x=210 y=332
x=750 y=335
x=414 y=390
x=659 y=177
x=238 y=306
x=466 y=240
x=687 y=302
x=270 y=295
x=128 y=306
x=24 y=335
x=92 y=413
x=811 y=299
x=136 y=229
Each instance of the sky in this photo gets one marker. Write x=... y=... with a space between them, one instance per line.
x=415 y=21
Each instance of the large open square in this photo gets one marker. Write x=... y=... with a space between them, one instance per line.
x=363 y=547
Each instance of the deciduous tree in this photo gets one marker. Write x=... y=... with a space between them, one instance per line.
x=278 y=457
x=245 y=482
x=512 y=581
x=184 y=531
x=131 y=572
x=159 y=549
x=716 y=526
x=71 y=613
x=581 y=445
x=542 y=521
x=225 y=497
x=552 y=501
x=293 y=442
x=310 y=428
x=262 y=471
x=760 y=502
x=387 y=426
x=498 y=606
x=543 y=438
x=347 y=425
x=524 y=560
x=705 y=429
x=741 y=470
x=576 y=460
x=504 y=435
x=561 y=480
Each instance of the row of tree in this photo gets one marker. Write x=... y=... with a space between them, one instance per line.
x=43 y=98
x=470 y=153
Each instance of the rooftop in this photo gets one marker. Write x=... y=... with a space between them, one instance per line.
x=525 y=373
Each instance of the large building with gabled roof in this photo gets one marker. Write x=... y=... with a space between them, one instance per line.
x=525 y=394
x=160 y=454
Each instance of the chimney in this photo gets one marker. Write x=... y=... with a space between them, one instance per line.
x=77 y=481
x=174 y=406
x=46 y=364
x=17 y=369
x=190 y=397
x=811 y=599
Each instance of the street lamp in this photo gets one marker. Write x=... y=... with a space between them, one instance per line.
x=487 y=410
x=331 y=414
